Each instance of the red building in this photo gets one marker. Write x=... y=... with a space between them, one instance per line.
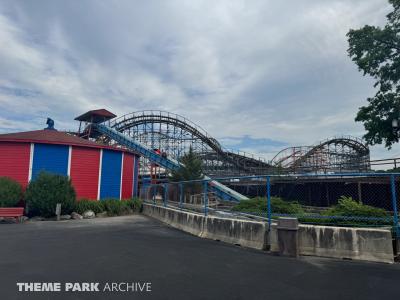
x=96 y=171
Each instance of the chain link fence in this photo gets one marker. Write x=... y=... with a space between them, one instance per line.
x=359 y=200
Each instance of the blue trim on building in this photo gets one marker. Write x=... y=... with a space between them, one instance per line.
x=110 y=184
x=50 y=158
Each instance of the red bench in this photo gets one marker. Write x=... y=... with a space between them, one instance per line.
x=12 y=212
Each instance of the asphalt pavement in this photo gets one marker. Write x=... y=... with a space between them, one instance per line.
x=169 y=264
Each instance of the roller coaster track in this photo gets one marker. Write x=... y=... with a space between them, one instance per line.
x=352 y=154
x=241 y=162
x=174 y=134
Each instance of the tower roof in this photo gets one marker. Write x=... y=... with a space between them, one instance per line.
x=96 y=116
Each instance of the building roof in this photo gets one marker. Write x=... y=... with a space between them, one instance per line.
x=96 y=116
x=52 y=137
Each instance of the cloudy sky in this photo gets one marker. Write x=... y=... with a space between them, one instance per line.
x=257 y=75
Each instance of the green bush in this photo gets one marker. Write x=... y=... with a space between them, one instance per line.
x=116 y=207
x=278 y=206
x=83 y=205
x=43 y=194
x=10 y=192
x=347 y=207
x=113 y=206
x=136 y=204
x=347 y=212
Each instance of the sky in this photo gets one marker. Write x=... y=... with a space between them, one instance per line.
x=257 y=75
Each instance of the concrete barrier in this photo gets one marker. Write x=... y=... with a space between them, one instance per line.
x=240 y=232
x=185 y=221
x=368 y=244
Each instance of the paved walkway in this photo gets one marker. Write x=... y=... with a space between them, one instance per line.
x=178 y=265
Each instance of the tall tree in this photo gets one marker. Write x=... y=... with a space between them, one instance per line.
x=192 y=169
x=376 y=51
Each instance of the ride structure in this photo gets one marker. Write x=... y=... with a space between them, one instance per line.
x=173 y=135
x=169 y=136
x=335 y=155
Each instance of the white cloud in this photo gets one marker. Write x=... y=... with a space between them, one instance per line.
x=266 y=69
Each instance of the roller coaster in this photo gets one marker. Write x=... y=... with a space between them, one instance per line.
x=335 y=155
x=172 y=135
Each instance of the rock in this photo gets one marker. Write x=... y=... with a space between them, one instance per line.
x=24 y=219
x=89 y=214
x=37 y=219
x=65 y=217
x=1 y=219
x=76 y=216
x=101 y=215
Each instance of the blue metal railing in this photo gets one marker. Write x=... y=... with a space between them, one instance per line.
x=122 y=139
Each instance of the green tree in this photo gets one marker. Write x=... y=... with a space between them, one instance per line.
x=376 y=51
x=191 y=169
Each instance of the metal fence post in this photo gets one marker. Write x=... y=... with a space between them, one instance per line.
x=180 y=195
x=165 y=194
x=205 y=190
x=154 y=194
x=394 y=203
x=269 y=202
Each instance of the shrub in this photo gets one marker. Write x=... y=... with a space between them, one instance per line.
x=136 y=204
x=278 y=206
x=116 y=207
x=83 y=205
x=347 y=207
x=347 y=212
x=10 y=192
x=113 y=206
x=43 y=194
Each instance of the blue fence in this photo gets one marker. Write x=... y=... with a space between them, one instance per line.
x=359 y=199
